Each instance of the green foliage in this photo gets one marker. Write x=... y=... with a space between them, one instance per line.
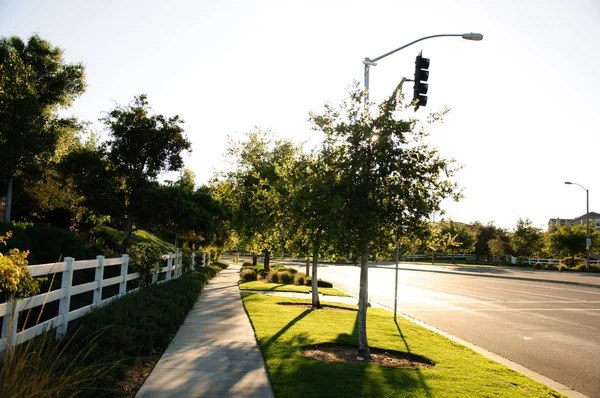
x=137 y=324
x=247 y=264
x=526 y=240
x=285 y=277
x=522 y=260
x=300 y=278
x=145 y=258
x=46 y=243
x=15 y=279
x=573 y=261
x=320 y=283
x=35 y=83
x=248 y=275
x=484 y=234
x=570 y=240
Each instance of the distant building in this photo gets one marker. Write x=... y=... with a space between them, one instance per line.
x=594 y=220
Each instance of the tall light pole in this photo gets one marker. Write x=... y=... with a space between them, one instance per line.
x=587 y=222
x=372 y=62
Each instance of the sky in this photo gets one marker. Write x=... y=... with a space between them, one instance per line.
x=523 y=101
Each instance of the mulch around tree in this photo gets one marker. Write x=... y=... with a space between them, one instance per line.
x=343 y=353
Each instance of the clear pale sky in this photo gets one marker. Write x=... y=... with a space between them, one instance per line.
x=524 y=100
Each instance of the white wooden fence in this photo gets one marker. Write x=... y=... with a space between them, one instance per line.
x=9 y=311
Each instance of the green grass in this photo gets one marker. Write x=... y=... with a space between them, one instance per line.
x=278 y=287
x=282 y=330
x=141 y=236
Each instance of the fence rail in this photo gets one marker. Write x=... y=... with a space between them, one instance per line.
x=10 y=310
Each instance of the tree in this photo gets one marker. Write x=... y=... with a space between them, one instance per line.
x=119 y=178
x=314 y=205
x=390 y=179
x=567 y=240
x=526 y=240
x=260 y=189
x=483 y=235
x=498 y=248
x=461 y=238
x=35 y=83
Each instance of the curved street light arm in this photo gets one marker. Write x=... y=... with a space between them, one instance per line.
x=407 y=45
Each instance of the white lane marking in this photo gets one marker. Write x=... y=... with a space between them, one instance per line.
x=531 y=294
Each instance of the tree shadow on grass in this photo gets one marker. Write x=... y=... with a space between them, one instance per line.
x=417 y=370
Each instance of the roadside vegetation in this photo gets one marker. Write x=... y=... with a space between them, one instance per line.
x=109 y=352
x=437 y=367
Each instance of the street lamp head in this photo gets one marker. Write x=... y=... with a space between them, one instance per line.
x=568 y=183
x=472 y=36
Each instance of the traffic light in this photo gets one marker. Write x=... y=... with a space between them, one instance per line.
x=421 y=75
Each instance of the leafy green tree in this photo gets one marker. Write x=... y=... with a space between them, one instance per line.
x=35 y=83
x=259 y=190
x=567 y=240
x=483 y=235
x=119 y=178
x=526 y=240
x=498 y=248
x=390 y=179
x=314 y=205
x=461 y=238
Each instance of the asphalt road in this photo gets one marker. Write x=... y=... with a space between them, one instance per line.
x=528 y=317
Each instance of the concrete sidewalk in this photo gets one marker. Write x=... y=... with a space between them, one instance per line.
x=214 y=353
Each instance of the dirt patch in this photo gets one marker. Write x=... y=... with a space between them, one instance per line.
x=137 y=375
x=343 y=353
x=325 y=307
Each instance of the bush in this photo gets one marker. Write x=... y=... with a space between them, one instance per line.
x=300 y=278
x=552 y=266
x=186 y=260
x=247 y=264
x=285 y=277
x=272 y=277
x=145 y=259
x=248 y=275
x=46 y=243
x=562 y=267
x=320 y=283
x=570 y=262
x=539 y=266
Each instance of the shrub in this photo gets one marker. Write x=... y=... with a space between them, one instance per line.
x=552 y=266
x=247 y=264
x=320 y=283
x=539 y=266
x=300 y=278
x=186 y=260
x=145 y=259
x=573 y=262
x=562 y=267
x=248 y=275
x=272 y=277
x=285 y=277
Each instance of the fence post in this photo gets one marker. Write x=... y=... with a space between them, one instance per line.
x=193 y=261
x=179 y=260
x=169 y=265
x=204 y=259
x=98 y=278
x=124 y=268
x=65 y=302
x=10 y=324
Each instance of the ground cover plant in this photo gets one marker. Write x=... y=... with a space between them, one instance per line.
x=124 y=340
x=456 y=372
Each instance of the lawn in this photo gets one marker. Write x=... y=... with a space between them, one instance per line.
x=282 y=330
x=278 y=287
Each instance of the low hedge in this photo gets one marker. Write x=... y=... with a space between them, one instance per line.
x=320 y=283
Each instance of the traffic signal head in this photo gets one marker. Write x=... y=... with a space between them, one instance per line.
x=421 y=76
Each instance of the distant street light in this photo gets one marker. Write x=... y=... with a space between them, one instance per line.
x=372 y=62
x=587 y=222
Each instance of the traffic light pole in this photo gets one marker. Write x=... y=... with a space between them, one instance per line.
x=373 y=62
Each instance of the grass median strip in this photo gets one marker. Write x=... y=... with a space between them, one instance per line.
x=285 y=328
x=278 y=287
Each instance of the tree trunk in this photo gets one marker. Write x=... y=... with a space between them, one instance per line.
x=432 y=257
x=267 y=260
x=315 y=283
x=363 y=302
x=127 y=227
x=452 y=252
x=254 y=259
x=8 y=206
x=307 y=266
